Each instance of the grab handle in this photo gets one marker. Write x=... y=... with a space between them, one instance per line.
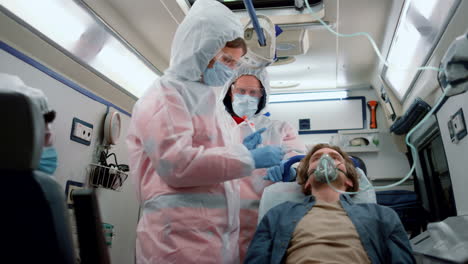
x=287 y=166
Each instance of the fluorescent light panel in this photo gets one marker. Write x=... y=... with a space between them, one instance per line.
x=292 y=97
x=69 y=25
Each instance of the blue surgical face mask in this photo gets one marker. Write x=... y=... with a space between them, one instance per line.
x=245 y=105
x=326 y=167
x=48 y=162
x=218 y=75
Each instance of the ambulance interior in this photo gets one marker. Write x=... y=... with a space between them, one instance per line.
x=94 y=59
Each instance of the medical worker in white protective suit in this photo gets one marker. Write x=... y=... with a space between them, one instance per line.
x=182 y=159
x=244 y=100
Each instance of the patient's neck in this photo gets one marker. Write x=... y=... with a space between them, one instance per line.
x=325 y=193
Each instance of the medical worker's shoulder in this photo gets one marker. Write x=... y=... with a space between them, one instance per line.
x=155 y=98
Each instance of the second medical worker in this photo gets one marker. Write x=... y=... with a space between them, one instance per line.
x=245 y=98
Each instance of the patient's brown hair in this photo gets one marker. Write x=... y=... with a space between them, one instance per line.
x=303 y=176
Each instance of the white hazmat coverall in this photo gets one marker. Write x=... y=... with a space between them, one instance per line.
x=276 y=133
x=181 y=159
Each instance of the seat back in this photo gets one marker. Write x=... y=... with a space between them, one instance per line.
x=408 y=207
x=34 y=215
x=93 y=248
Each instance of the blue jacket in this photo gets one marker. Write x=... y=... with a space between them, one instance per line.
x=379 y=229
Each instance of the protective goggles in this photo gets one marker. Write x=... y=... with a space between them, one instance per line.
x=252 y=91
x=228 y=60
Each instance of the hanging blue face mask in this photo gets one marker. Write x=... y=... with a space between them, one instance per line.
x=245 y=105
x=48 y=162
x=218 y=75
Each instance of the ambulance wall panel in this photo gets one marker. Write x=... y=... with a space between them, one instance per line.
x=384 y=166
x=456 y=152
x=117 y=208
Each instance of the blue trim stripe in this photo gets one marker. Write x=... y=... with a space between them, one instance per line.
x=58 y=77
x=307 y=132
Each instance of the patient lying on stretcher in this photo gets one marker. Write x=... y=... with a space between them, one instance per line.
x=328 y=227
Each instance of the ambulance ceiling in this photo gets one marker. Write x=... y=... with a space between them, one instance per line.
x=330 y=63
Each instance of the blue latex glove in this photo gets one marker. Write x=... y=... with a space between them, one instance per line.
x=292 y=174
x=253 y=140
x=268 y=156
x=276 y=173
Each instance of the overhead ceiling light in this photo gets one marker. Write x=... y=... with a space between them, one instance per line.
x=283 y=61
x=292 y=97
x=283 y=84
x=292 y=42
x=285 y=46
x=72 y=28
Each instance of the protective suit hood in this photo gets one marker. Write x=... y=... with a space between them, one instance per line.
x=201 y=35
x=261 y=75
x=14 y=83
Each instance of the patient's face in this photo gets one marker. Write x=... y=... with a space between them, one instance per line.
x=339 y=162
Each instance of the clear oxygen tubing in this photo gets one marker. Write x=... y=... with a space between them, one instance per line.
x=412 y=147
x=374 y=45
x=379 y=54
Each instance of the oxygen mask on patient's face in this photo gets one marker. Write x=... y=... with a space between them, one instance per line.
x=326 y=168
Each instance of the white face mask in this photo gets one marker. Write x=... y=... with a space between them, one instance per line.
x=218 y=75
x=245 y=105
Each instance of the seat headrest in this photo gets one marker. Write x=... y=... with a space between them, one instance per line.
x=14 y=83
x=22 y=133
x=359 y=163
